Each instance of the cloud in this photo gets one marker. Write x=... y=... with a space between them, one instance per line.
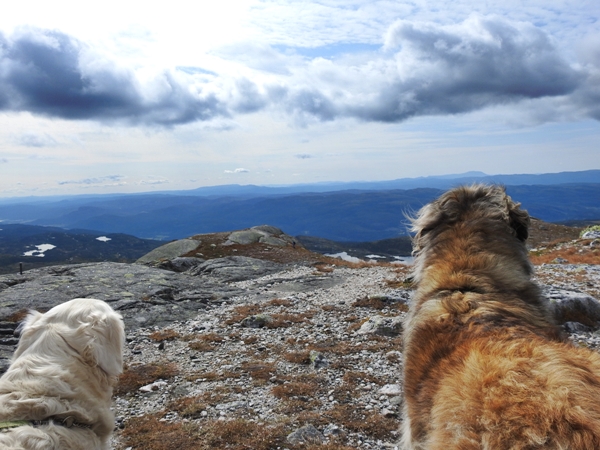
x=35 y=140
x=303 y=156
x=154 y=181
x=460 y=68
x=109 y=180
x=429 y=69
x=422 y=68
x=239 y=170
x=53 y=74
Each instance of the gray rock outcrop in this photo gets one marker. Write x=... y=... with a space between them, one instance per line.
x=264 y=234
x=236 y=268
x=143 y=295
x=169 y=251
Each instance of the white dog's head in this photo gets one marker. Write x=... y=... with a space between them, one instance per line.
x=88 y=327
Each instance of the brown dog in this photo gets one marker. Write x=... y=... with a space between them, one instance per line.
x=485 y=365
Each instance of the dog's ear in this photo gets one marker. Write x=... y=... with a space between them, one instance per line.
x=31 y=318
x=105 y=340
x=518 y=219
x=426 y=219
x=27 y=331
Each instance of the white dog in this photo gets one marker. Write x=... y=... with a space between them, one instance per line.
x=57 y=392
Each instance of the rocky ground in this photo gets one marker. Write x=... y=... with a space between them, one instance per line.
x=244 y=353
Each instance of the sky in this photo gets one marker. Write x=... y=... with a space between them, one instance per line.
x=131 y=96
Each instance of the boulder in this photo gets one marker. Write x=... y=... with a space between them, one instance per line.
x=256 y=321
x=383 y=326
x=169 y=251
x=591 y=234
x=264 y=234
x=570 y=306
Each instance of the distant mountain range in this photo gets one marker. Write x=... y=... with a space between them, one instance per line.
x=36 y=246
x=356 y=212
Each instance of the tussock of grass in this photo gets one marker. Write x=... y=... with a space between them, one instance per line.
x=293 y=389
x=137 y=376
x=164 y=335
x=201 y=346
x=286 y=320
x=302 y=357
x=242 y=311
x=356 y=420
x=242 y=435
x=331 y=308
x=149 y=433
x=188 y=407
x=279 y=302
x=259 y=370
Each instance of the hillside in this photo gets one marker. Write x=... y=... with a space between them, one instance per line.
x=35 y=246
x=349 y=216
x=256 y=345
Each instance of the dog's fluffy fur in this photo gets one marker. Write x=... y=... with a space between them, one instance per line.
x=485 y=366
x=65 y=365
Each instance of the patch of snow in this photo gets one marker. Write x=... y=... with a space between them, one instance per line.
x=375 y=257
x=408 y=260
x=40 y=250
x=103 y=239
x=345 y=256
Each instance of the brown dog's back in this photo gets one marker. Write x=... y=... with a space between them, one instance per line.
x=485 y=365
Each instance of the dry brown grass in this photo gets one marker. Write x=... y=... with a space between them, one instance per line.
x=188 y=407
x=164 y=335
x=404 y=283
x=334 y=346
x=259 y=370
x=285 y=320
x=302 y=357
x=149 y=433
x=331 y=308
x=202 y=346
x=279 y=302
x=353 y=378
x=242 y=435
x=140 y=375
x=380 y=302
x=206 y=342
x=211 y=337
x=250 y=340
x=354 y=419
x=573 y=255
x=242 y=311
x=294 y=389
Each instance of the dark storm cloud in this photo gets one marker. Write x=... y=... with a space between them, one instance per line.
x=303 y=103
x=481 y=62
x=45 y=73
x=423 y=69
